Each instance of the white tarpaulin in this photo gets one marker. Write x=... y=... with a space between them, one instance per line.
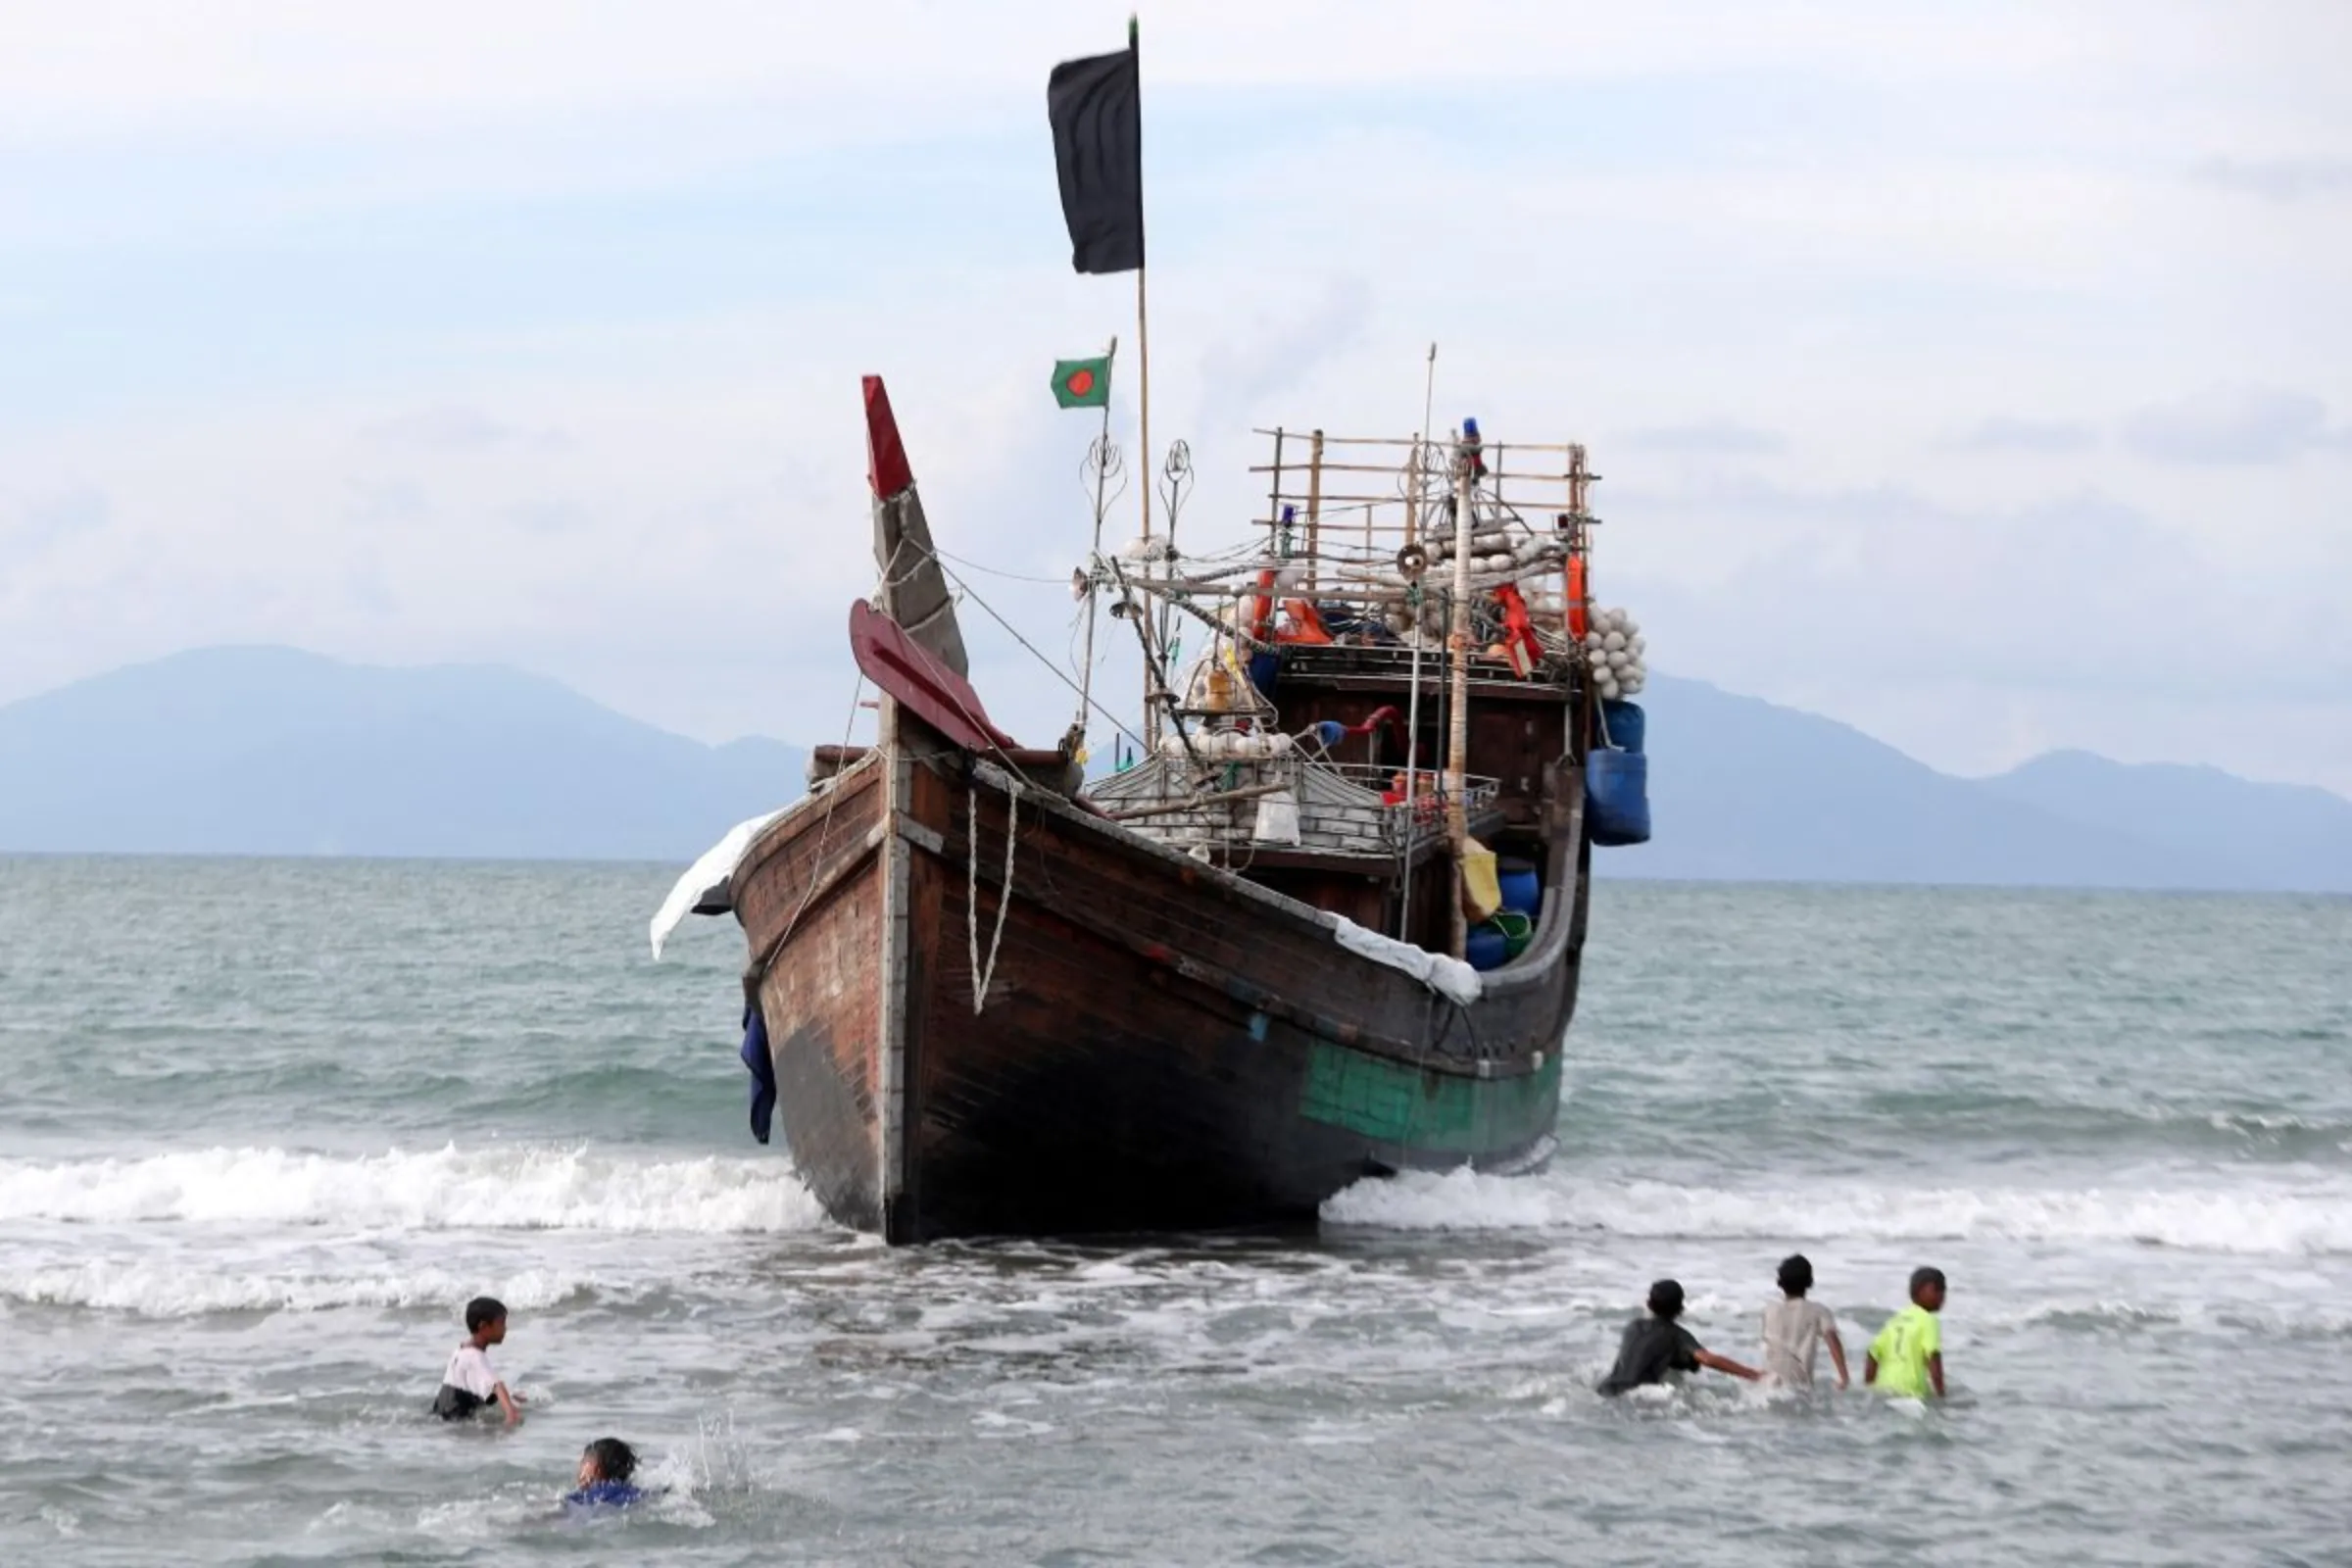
x=707 y=885
x=1447 y=978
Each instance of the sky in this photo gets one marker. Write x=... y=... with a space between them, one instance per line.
x=1979 y=376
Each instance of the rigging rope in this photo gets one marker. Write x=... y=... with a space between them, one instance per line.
x=971 y=898
x=1032 y=649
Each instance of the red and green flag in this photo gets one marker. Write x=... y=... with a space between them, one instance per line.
x=1082 y=383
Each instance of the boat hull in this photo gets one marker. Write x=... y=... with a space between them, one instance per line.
x=1160 y=1044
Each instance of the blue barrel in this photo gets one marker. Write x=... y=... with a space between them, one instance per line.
x=1624 y=722
x=1617 y=796
x=1522 y=889
x=1486 y=948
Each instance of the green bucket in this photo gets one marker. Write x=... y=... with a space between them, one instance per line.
x=1517 y=929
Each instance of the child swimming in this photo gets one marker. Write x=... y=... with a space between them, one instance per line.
x=603 y=1481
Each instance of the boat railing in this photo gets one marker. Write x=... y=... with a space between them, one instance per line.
x=1346 y=508
x=1287 y=801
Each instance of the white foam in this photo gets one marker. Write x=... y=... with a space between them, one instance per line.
x=2252 y=1219
x=447 y=1189
x=167 y=1290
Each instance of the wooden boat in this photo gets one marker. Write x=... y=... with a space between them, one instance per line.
x=1216 y=987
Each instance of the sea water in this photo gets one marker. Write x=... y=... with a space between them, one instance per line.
x=266 y=1125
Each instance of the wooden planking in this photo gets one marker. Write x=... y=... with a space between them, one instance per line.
x=810 y=898
x=821 y=1000
x=1101 y=1090
x=1192 y=919
x=891 y=1030
x=1124 y=1072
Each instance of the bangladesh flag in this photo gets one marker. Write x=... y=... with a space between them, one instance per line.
x=1082 y=383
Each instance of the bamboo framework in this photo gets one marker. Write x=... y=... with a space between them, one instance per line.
x=1346 y=513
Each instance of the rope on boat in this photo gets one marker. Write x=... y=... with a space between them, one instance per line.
x=971 y=898
x=1052 y=668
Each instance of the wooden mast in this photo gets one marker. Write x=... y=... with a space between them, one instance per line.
x=900 y=531
x=1457 y=740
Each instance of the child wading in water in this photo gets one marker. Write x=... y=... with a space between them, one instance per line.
x=1907 y=1356
x=1796 y=1327
x=1657 y=1346
x=470 y=1383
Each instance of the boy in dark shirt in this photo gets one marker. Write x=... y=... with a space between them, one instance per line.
x=1657 y=1346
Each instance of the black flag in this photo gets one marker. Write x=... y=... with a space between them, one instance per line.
x=1097 y=110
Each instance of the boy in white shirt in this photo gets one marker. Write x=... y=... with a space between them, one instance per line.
x=1794 y=1328
x=470 y=1383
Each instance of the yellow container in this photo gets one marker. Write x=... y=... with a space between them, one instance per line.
x=1482 y=890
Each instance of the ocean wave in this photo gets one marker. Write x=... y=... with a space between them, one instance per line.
x=446 y=1189
x=166 y=1290
x=2253 y=1220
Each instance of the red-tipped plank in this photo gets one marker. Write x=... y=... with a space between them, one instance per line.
x=886 y=455
x=931 y=691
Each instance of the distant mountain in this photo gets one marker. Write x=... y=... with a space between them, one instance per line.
x=1743 y=789
x=267 y=751
x=2287 y=836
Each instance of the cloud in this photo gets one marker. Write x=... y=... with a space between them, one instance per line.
x=2280 y=179
x=458 y=429
x=548 y=516
x=383 y=268
x=387 y=500
x=1709 y=438
x=43 y=522
x=1867 y=592
x=2235 y=425
x=1281 y=350
x=2051 y=437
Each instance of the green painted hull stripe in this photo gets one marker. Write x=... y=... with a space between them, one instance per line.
x=1432 y=1112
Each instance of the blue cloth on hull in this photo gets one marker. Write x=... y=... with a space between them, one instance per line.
x=1617 y=796
x=763 y=1073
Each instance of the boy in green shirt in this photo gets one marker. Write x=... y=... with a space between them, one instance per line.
x=1907 y=1356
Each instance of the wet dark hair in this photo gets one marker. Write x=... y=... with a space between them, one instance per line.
x=1797 y=1274
x=1666 y=1299
x=614 y=1460
x=1922 y=1278
x=482 y=1311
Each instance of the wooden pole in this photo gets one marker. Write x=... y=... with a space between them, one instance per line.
x=1420 y=454
x=1457 y=740
x=1274 y=501
x=1315 y=505
x=1142 y=357
x=1412 y=496
x=1086 y=674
